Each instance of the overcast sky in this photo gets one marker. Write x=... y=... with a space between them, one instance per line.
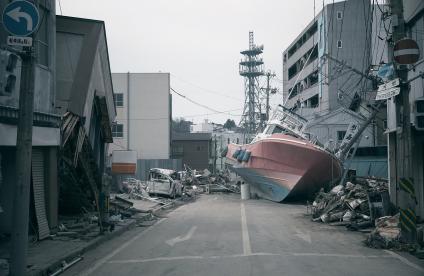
x=198 y=42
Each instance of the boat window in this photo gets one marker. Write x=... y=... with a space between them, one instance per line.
x=277 y=129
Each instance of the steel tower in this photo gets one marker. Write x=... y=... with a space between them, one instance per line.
x=251 y=68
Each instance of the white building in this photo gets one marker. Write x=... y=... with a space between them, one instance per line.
x=325 y=67
x=203 y=127
x=143 y=121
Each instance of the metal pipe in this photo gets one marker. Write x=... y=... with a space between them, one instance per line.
x=66 y=266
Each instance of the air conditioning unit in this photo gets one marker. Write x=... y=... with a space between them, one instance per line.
x=10 y=73
x=419 y=114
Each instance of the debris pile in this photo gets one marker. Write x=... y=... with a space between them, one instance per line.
x=354 y=205
x=83 y=227
x=206 y=181
x=386 y=233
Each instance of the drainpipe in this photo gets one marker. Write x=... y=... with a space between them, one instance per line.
x=128 y=111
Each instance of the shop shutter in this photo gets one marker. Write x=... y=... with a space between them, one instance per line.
x=39 y=196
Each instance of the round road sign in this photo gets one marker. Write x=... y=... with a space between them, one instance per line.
x=406 y=51
x=20 y=18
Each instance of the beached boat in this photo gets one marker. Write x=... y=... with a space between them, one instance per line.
x=282 y=162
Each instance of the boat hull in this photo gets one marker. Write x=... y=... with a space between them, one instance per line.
x=282 y=167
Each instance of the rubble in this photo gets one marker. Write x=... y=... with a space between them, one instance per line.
x=355 y=205
x=386 y=234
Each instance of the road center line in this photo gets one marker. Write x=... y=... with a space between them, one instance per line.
x=247 y=250
x=106 y=258
x=404 y=260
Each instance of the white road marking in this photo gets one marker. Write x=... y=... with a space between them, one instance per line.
x=106 y=258
x=285 y=254
x=178 y=239
x=247 y=250
x=405 y=260
x=304 y=236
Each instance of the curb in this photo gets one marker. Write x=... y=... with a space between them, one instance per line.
x=47 y=270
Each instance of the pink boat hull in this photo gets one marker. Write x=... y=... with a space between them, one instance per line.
x=282 y=167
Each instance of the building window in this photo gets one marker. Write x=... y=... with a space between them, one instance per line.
x=118 y=130
x=339 y=44
x=340 y=135
x=119 y=99
x=178 y=150
x=339 y=15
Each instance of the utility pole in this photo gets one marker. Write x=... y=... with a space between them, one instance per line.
x=23 y=167
x=403 y=137
x=214 y=155
x=268 y=90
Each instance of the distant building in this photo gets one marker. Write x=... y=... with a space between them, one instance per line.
x=143 y=123
x=221 y=137
x=315 y=84
x=193 y=148
x=205 y=126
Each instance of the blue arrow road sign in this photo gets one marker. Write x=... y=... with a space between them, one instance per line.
x=21 y=18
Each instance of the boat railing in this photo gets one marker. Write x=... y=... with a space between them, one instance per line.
x=290 y=120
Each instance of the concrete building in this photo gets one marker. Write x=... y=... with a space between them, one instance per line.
x=46 y=132
x=413 y=11
x=143 y=123
x=325 y=70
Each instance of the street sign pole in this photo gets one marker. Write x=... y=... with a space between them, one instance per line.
x=21 y=197
x=21 y=19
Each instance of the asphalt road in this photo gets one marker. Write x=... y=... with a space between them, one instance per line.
x=222 y=235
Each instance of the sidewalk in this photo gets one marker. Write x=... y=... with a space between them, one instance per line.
x=47 y=256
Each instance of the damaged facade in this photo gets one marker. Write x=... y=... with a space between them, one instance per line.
x=85 y=102
x=73 y=111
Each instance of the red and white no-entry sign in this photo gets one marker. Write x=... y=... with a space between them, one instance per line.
x=406 y=51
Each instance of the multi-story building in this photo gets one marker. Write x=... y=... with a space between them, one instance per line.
x=143 y=122
x=326 y=70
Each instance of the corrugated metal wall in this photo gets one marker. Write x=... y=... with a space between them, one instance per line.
x=370 y=166
x=144 y=165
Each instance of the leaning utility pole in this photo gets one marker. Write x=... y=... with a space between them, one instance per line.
x=402 y=139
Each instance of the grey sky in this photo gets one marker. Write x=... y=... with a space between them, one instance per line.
x=198 y=42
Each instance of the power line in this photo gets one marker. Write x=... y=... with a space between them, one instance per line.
x=184 y=116
x=199 y=104
x=205 y=89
